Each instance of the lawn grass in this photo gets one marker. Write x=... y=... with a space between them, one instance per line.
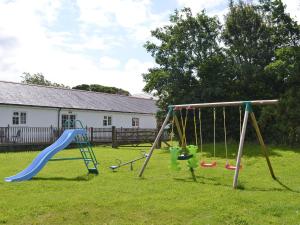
x=62 y=193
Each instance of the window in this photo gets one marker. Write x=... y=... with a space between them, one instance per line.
x=71 y=121
x=19 y=118
x=135 y=122
x=23 y=118
x=15 y=119
x=107 y=121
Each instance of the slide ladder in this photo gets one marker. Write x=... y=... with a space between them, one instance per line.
x=87 y=153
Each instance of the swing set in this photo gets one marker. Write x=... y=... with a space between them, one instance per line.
x=183 y=137
x=188 y=152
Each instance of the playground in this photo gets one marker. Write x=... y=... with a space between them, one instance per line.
x=186 y=182
x=204 y=129
x=63 y=193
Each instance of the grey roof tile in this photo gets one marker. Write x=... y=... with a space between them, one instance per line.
x=36 y=95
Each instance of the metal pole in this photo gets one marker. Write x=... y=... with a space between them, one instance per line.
x=240 y=151
x=220 y=104
x=155 y=142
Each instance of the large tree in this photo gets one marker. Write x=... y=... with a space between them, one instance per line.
x=252 y=34
x=200 y=61
x=247 y=38
x=189 y=60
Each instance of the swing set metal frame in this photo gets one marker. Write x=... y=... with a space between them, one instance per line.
x=248 y=110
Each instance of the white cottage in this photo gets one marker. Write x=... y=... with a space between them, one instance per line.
x=23 y=105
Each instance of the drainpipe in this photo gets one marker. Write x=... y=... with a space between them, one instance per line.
x=58 y=118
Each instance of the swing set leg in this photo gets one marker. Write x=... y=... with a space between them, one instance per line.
x=241 y=145
x=262 y=143
x=240 y=151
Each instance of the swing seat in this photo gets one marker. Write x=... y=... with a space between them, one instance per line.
x=231 y=167
x=208 y=165
x=184 y=157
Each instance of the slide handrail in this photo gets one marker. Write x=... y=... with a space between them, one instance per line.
x=69 y=123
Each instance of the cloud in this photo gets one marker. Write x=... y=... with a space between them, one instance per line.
x=220 y=7
x=24 y=31
x=135 y=18
x=124 y=13
x=127 y=76
x=104 y=45
x=293 y=7
x=108 y=62
x=28 y=44
x=136 y=66
x=217 y=8
x=197 y=6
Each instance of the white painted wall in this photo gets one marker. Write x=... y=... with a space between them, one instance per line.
x=36 y=117
x=45 y=117
x=95 y=118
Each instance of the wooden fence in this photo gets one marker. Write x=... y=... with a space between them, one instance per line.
x=47 y=135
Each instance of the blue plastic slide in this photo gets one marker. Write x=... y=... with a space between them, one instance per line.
x=40 y=161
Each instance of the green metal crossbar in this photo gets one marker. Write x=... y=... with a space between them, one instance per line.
x=62 y=159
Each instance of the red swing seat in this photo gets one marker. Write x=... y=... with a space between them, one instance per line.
x=231 y=167
x=208 y=165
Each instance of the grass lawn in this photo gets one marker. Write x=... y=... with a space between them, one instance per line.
x=62 y=193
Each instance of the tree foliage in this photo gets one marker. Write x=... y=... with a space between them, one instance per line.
x=285 y=30
x=39 y=79
x=187 y=51
x=249 y=48
x=286 y=70
x=100 y=88
x=253 y=55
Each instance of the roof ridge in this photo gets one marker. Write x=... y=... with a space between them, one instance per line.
x=70 y=89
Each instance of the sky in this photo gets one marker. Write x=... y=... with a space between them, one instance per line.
x=89 y=41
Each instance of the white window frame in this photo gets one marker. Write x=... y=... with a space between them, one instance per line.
x=135 y=122
x=23 y=118
x=107 y=121
x=63 y=121
x=18 y=118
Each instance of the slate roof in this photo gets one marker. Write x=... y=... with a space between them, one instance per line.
x=42 y=96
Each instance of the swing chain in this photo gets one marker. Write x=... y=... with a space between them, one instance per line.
x=200 y=129
x=172 y=128
x=225 y=135
x=183 y=124
x=214 y=113
x=195 y=127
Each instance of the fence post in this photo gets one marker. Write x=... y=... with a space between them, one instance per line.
x=51 y=134
x=8 y=139
x=114 y=137
x=92 y=134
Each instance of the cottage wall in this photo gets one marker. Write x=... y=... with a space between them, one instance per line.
x=46 y=117
x=36 y=117
x=95 y=118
